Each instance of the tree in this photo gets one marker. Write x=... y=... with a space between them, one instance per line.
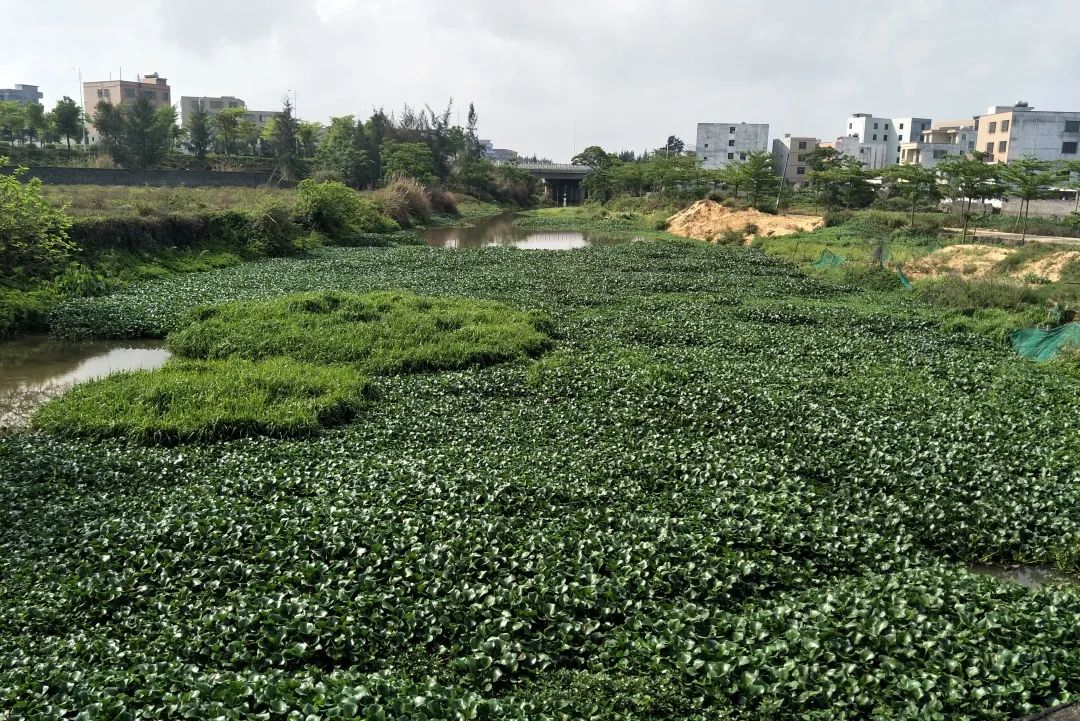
x=760 y=180
x=12 y=120
x=226 y=125
x=1028 y=179
x=1071 y=170
x=674 y=145
x=248 y=135
x=286 y=146
x=137 y=135
x=732 y=175
x=593 y=157
x=915 y=184
x=970 y=178
x=68 y=120
x=108 y=120
x=199 y=133
x=472 y=140
x=307 y=133
x=823 y=158
x=33 y=234
x=413 y=160
x=35 y=120
x=842 y=183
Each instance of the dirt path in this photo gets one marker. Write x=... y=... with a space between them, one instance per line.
x=985 y=233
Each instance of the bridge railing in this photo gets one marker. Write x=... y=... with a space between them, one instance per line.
x=565 y=167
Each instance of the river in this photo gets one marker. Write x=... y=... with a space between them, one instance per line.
x=500 y=230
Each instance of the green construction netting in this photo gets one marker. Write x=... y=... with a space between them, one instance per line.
x=1041 y=345
x=828 y=259
x=903 y=279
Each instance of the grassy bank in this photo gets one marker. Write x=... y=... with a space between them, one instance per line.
x=127 y=234
x=730 y=491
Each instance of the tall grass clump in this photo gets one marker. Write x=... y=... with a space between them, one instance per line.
x=339 y=212
x=406 y=200
x=194 y=400
x=382 y=332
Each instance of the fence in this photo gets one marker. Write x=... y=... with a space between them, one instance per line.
x=155 y=178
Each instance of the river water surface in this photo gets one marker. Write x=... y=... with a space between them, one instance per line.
x=37 y=368
x=499 y=230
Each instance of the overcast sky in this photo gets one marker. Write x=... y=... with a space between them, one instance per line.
x=625 y=73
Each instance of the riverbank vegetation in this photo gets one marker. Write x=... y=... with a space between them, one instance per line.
x=730 y=490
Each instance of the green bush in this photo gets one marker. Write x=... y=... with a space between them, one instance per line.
x=33 y=234
x=405 y=200
x=26 y=311
x=962 y=294
x=338 y=212
x=188 y=400
x=273 y=232
x=383 y=332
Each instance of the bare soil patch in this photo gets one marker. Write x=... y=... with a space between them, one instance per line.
x=707 y=219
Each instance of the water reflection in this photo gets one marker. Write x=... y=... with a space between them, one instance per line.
x=37 y=368
x=1030 y=576
x=500 y=230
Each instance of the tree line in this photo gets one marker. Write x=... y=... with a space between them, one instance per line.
x=30 y=123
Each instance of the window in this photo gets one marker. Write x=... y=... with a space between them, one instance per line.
x=103 y=93
x=705 y=158
x=731 y=143
x=992 y=127
x=875 y=126
x=939 y=154
x=901 y=126
x=849 y=126
x=731 y=129
x=731 y=156
x=165 y=95
x=802 y=158
x=1069 y=148
x=742 y=156
x=1072 y=126
x=801 y=170
x=989 y=148
x=1004 y=126
x=898 y=148
x=149 y=94
x=802 y=145
x=129 y=92
x=875 y=136
x=237 y=105
x=1002 y=146
x=706 y=145
x=901 y=138
x=971 y=145
x=216 y=105
x=886 y=126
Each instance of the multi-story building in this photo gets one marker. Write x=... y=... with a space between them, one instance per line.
x=789 y=158
x=721 y=143
x=948 y=137
x=893 y=132
x=215 y=105
x=21 y=94
x=1007 y=133
x=874 y=155
x=153 y=87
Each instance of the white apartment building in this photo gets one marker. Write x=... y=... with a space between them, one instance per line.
x=874 y=155
x=892 y=132
x=948 y=137
x=789 y=158
x=721 y=143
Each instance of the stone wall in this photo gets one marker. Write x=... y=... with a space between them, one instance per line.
x=155 y=178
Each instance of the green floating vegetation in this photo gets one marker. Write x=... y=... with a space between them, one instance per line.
x=193 y=400
x=382 y=332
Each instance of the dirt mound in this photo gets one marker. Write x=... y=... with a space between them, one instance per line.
x=1051 y=267
x=706 y=219
x=970 y=261
x=979 y=261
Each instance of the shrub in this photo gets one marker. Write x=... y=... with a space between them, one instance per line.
x=730 y=237
x=384 y=332
x=273 y=232
x=406 y=201
x=26 y=311
x=33 y=234
x=338 y=212
x=963 y=294
x=187 y=400
x=442 y=201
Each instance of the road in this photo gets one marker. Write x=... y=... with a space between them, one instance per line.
x=1001 y=235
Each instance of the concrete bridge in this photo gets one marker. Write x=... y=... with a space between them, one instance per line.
x=562 y=181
